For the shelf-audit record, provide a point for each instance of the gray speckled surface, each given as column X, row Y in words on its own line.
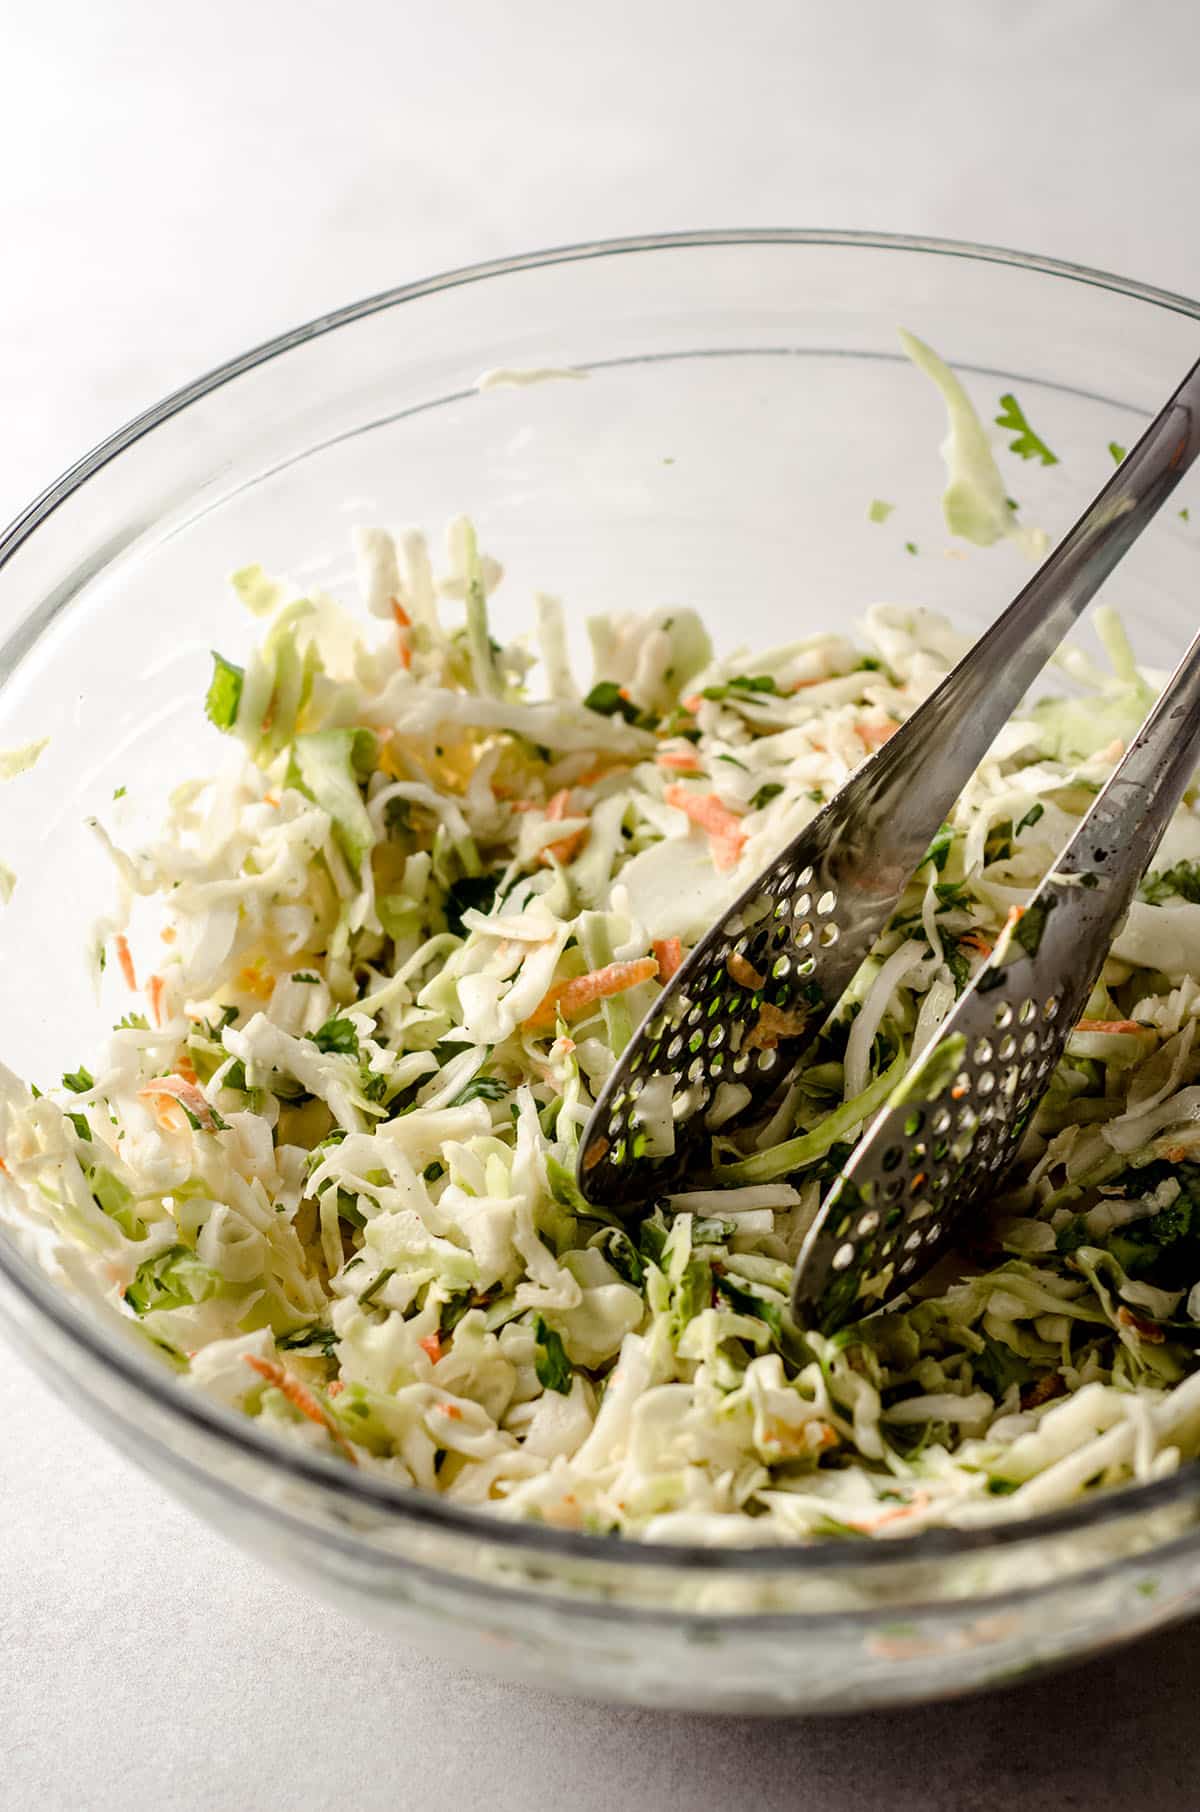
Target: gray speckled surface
column 147, row 152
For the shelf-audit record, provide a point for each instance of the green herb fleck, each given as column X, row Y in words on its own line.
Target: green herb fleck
column 1027, row 444
column 550, row 1360
column 879, row 510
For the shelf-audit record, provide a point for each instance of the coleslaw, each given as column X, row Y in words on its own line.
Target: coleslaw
column 324, row 1170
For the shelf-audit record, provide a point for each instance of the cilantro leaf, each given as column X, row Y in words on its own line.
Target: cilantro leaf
column 939, row 849
column 879, row 510
column 742, row 683
column 79, row 1081
column 313, row 1338
column 481, row 1088
column 224, row 692
column 765, row 794
column 609, row 700
column 338, row 1036
column 1181, row 881
column 1031, row 817
column 1031, row 926
column 550, row 1360
column 1117, row 450
column 747, row 1303
column 1027, row 444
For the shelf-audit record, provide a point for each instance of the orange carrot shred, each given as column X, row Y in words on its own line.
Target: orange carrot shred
column 725, row 834
column 403, row 625
column 743, row 972
column 975, row 940
column 302, row 1398
column 684, row 759
column 569, row 998
column 1110, row 1025
column 126, row 962
column 432, row 1344
column 668, row 954
column 154, row 988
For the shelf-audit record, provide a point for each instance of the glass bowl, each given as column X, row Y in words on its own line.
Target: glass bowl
column 745, row 403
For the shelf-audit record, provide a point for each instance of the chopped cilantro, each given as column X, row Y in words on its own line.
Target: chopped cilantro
column 1031, row 817
column 939, row 849
column 550, row 1360
column 481, row 1088
column 79, row 1081
column 910, row 547
column 879, row 510
column 741, row 683
column 1027, row 444
column 693, row 1292
column 765, row 794
column 609, row 700
column 1031, row 926
column 224, row 692
column 338, row 1036
column 747, row 1303
column 1117, row 450
column 1181, row 881
column 313, row 1338
column 82, row 1129
column 132, row 1022
column 119, row 792
column 303, row 976
column 1185, row 515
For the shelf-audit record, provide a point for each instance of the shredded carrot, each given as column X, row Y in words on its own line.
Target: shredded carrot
column 3, row 1166
column 772, row 1025
column 591, row 1158
column 893, row 1514
column 975, row 940
column 1176, row 1154
column 154, row 988
column 1110, row 1025
column 742, row 972
column 692, row 704
column 305, row 1402
column 565, row 847
column 335, row 1389
column 726, row 837
column 168, row 934
column 177, row 1088
column 403, row 625
column 569, row 998
column 432, row 1344
column 1148, row 1331
column 185, row 1067
column 1015, row 915
column 452, row 1410
column 270, row 799
column 875, row 735
column 668, row 954
column 126, row 962
column 683, row 759
column 601, row 771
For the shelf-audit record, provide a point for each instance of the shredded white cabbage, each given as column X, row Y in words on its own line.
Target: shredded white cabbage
column 326, row 1166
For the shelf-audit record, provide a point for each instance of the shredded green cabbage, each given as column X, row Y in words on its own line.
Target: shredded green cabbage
column 327, row 1171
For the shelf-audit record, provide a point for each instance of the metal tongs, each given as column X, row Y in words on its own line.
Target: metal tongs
column 794, row 938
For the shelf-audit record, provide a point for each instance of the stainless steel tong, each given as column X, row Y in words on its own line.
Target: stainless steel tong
column 789, row 945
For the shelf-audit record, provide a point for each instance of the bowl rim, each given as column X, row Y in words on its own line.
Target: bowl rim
column 213, row 1420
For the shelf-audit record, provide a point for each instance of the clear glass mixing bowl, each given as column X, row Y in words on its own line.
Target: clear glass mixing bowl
column 745, row 403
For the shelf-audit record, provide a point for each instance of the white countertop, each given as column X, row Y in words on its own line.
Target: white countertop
column 179, row 185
